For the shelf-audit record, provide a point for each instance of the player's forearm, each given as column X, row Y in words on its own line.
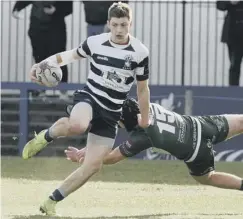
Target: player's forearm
column 144, row 102
column 76, row 155
column 113, row 157
column 108, row 160
column 64, row 58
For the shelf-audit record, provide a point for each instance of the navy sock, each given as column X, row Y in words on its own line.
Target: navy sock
column 48, row 137
column 56, row 196
column 241, row 188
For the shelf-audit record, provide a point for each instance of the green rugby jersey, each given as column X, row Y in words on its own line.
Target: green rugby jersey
column 179, row 135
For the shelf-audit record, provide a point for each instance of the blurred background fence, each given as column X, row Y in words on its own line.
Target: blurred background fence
column 183, row 38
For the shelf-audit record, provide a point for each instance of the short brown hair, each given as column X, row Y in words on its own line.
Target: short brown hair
column 119, row 10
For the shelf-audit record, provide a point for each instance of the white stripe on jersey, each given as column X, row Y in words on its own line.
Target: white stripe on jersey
column 199, row 135
column 103, row 94
column 115, row 64
column 102, row 105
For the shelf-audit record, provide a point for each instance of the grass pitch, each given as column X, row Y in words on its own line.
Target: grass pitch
column 132, row 189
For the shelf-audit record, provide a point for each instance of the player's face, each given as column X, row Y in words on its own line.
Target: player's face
column 120, row 28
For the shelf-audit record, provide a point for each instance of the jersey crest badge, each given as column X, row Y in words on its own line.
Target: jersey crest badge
column 128, row 62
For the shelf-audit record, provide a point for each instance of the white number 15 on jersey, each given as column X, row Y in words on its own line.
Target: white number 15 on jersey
column 164, row 118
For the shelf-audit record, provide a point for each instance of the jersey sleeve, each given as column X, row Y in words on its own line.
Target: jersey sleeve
column 142, row 70
column 84, row 49
column 137, row 142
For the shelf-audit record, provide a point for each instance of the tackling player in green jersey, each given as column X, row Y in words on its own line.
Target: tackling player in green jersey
column 188, row 138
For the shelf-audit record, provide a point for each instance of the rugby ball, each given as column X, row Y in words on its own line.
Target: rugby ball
column 49, row 73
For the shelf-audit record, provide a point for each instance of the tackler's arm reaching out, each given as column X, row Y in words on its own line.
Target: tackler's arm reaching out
column 75, row 155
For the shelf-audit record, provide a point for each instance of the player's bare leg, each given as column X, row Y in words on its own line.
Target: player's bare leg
column 235, row 122
column 221, row 179
column 97, row 148
column 76, row 124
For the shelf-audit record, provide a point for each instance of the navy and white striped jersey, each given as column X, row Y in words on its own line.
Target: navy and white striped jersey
column 113, row 69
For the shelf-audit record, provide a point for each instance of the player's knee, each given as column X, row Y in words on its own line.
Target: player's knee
column 76, row 128
column 205, row 179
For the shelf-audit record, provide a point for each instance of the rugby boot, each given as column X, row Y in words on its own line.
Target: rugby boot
column 35, row 145
column 48, row 207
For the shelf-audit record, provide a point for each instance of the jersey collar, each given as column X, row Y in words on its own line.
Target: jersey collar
column 118, row 45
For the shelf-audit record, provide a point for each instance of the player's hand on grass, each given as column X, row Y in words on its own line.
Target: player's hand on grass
column 33, row 75
column 75, row 155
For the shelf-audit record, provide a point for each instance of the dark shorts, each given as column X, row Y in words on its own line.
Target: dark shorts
column 214, row 130
column 104, row 122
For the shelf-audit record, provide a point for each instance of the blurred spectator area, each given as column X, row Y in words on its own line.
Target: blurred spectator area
column 183, row 38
